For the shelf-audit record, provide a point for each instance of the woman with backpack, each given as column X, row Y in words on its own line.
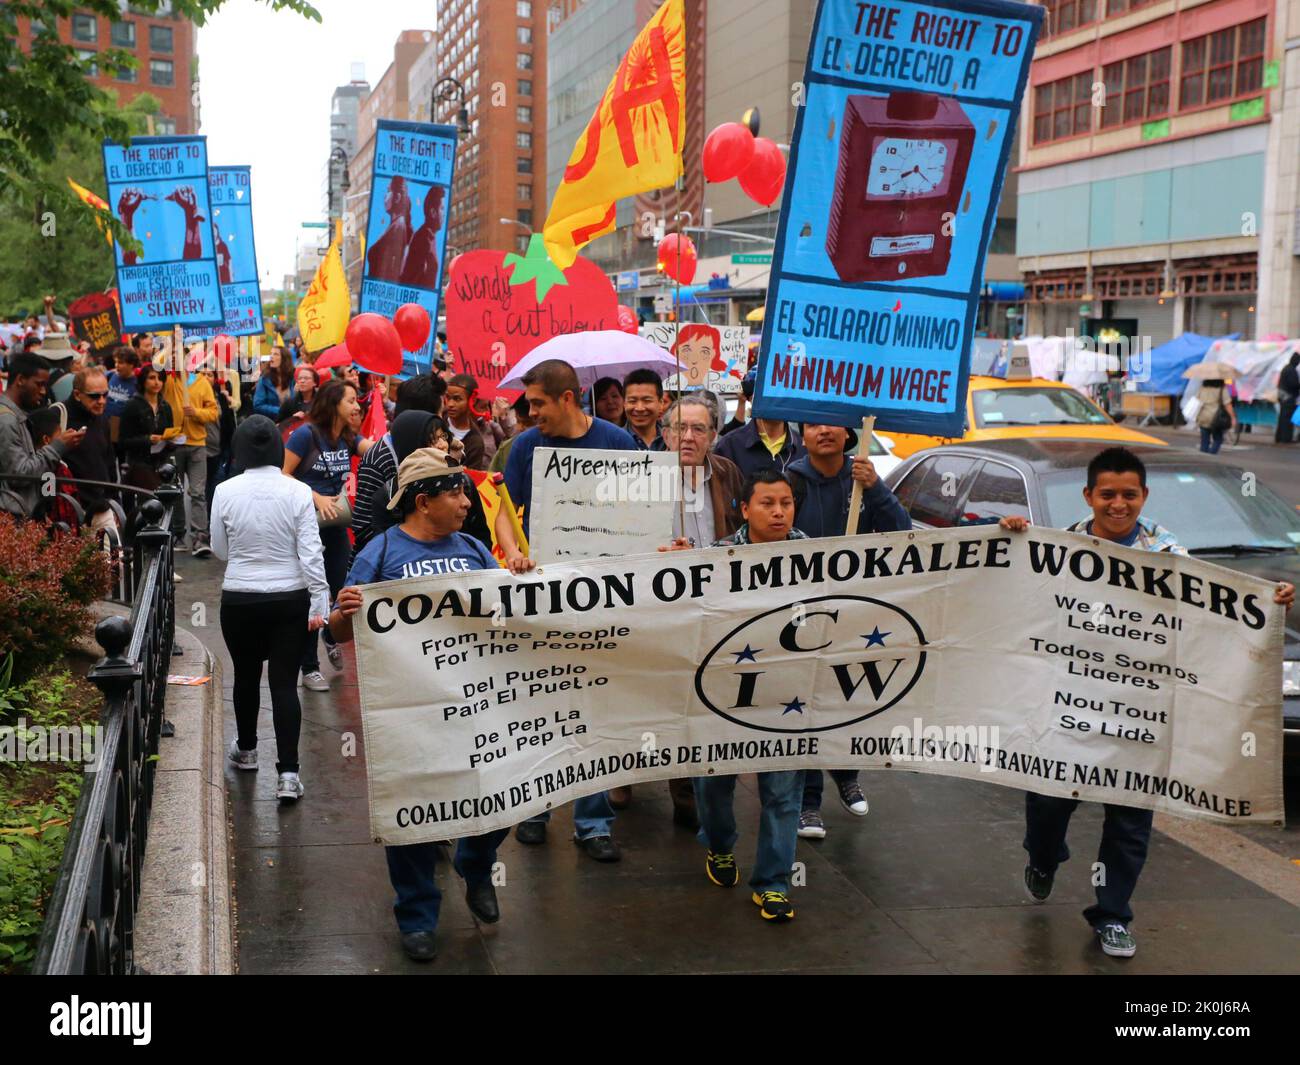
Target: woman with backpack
column 1215, row 416
column 319, row 453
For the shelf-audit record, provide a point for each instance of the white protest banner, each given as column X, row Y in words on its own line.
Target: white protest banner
column 1043, row 661
column 712, row 356
column 600, row 504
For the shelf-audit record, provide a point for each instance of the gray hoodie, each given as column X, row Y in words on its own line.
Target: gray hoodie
column 19, row 457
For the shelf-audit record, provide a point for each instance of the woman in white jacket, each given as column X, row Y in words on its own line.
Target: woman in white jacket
column 274, row 596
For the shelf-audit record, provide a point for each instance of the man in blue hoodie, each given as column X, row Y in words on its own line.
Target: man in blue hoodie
column 823, row 483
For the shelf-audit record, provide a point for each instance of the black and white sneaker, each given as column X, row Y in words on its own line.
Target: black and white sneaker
column 201, row 549
column 811, row 825
column 1038, row 886
column 852, row 799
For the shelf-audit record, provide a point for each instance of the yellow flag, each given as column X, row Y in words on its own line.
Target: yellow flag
column 323, row 313
column 90, row 199
column 633, row 142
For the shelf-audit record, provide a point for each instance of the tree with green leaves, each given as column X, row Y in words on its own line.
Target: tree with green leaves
column 49, row 111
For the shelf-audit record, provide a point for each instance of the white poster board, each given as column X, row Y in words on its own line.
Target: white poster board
column 601, row 504
column 701, row 352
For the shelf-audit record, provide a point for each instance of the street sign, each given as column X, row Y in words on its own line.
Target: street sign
column 663, row 303
column 315, row 225
column 756, row 258
column 628, row 280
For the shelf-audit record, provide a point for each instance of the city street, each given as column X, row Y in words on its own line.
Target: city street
column 928, row 882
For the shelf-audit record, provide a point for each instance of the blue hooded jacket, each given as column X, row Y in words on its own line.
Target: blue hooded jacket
column 822, row 503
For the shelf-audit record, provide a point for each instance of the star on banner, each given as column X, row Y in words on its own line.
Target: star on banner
column 793, row 707
column 747, row 655
column 875, row 638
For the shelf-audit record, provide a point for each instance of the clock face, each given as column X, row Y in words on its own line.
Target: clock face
column 902, row 167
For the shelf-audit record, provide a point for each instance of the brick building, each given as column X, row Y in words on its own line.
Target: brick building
column 164, row 47
column 496, row 49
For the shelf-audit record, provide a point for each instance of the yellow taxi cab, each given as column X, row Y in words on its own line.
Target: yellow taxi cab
column 998, row 409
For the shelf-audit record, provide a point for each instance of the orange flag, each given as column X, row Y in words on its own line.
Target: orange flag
column 633, row 142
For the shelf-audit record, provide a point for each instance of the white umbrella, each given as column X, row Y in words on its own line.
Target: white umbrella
column 596, row 354
column 1210, row 371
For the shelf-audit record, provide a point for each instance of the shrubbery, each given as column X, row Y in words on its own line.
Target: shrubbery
column 46, row 588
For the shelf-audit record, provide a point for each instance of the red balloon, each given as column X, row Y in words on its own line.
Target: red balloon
column 413, row 326
column 627, row 320
column 677, row 258
column 375, row 346
column 727, row 152
column 764, row 178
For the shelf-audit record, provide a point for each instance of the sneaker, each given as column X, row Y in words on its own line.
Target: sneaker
column 1116, row 940
column 288, row 788
column 531, row 832
column 201, row 549
column 177, row 578
column 242, row 759
column 852, row 799
column 811, row 825
column 315, row 681
column 335, row 654
column 1038, row 885
column 773, row 906
column 721, row 869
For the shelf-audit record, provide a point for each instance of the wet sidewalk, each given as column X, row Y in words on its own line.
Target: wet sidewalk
column 928, row 882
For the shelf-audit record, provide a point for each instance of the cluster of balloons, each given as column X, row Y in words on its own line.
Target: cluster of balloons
column 735, row 150
column 376, row 344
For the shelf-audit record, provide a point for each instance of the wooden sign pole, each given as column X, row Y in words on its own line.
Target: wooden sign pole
column 855, row 500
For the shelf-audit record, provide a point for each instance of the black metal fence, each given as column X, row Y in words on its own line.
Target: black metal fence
column 91, row 917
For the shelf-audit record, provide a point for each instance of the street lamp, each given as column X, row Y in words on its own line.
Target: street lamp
column 515, row 222
column 449, row 90
column 338, row 155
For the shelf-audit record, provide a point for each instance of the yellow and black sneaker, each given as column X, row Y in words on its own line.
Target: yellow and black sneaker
column 721, row 869
column 774, row 906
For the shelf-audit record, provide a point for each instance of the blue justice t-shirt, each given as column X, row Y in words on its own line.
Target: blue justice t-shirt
column 602, row 435
column 331, row 462
column 120, row 390
column 408, row 557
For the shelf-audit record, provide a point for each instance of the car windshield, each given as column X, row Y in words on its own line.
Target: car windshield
column 998, row 407
column 1204, row 507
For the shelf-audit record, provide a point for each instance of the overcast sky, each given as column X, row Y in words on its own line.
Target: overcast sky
column 265, row 81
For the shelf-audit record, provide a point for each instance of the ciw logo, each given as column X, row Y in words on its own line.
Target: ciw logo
column 812, row 666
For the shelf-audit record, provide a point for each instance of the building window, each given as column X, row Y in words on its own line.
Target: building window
column 523, row 9
column 1119, row 7
column 1063, row 108
column 524, row 114
column 523, row 164
column 523, row 61
column 521, row 244
column 523, row 139
column 525, row 215
column 524, row 192
column 160, row 39
column 161, row 72
column 164, row 127
column 123, row 35
column 1136, row 88
column 89, row 56
column 1066, row 15
column 1222, row 65
column 525, row 87
column 85, row 28
column 524, row 34
column 125, row 74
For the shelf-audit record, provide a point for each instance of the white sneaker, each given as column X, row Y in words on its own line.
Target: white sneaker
column 335, row 654
column 315, row 681
column 288, row 788
column 242, row 759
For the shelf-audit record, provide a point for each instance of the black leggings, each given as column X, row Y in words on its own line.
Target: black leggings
column 274, row 630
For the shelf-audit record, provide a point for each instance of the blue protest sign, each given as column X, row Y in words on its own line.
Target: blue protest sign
column 406, row 234
column 232, row 231
column 895, row 172
column 158, row 188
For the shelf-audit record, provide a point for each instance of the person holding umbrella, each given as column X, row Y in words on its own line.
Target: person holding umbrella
column 1215, row 414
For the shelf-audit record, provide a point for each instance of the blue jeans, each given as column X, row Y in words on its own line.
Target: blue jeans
column 778, row 823
column 411, row 871
column 813, row 785
column 1211, row 441
column 1125, row 837
column 592, row 816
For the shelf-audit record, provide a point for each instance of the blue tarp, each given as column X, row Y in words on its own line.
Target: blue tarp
column 1168, row 362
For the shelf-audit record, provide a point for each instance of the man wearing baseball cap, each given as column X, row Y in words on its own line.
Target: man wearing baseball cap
column 431, row 499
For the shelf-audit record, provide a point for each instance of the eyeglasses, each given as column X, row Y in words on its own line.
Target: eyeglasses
column 95, row 395
column 686, row 429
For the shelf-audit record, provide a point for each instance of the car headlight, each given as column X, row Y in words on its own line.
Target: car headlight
column 1291, row 678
